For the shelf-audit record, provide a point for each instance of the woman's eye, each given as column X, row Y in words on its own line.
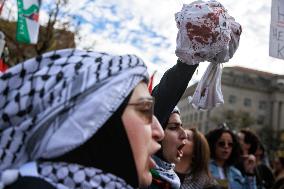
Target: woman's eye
column 173, row 128
column 145, row 108
column 146, row 112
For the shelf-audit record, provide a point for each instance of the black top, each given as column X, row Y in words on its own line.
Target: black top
column 264, row 177
column 170, row 89
column 30, row 183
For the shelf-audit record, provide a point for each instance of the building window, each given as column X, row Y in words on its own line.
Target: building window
column 260, row 119
column 232, row 99
column 262, row 105
column 191, row 117
column 200, row 116
column 247, row 102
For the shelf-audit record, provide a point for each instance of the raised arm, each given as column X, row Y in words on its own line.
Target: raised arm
column 170, row 89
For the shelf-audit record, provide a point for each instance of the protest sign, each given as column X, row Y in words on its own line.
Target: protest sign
column 276, row 43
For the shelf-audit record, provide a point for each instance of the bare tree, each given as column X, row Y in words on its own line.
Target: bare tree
column 54, row 35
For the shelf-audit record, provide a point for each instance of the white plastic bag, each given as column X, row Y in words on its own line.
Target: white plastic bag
column 208, row 93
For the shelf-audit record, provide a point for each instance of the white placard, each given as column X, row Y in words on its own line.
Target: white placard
column 276, row 43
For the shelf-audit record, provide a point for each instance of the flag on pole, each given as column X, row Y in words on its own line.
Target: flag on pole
column 2, row 2
column 150, row 85
column 28, row 26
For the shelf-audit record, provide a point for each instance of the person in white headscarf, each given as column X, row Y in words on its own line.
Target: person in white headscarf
column 77, row 119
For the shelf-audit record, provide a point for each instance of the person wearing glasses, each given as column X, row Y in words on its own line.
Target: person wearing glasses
column 225, row 151
column 193, row 168
column 77, row 119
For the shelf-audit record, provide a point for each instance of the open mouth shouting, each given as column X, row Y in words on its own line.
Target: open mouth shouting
column 179, row 151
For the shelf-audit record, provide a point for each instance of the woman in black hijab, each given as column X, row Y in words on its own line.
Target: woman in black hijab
column 77, row 119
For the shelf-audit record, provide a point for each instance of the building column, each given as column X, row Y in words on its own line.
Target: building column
column 275, row 115
column 281, row 116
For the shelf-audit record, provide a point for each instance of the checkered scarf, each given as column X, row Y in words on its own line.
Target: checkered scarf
column 43, row 101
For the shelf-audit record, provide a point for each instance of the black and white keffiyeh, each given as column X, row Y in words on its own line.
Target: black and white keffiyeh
column 51, row 104
column 166, row 172
column 74, row 176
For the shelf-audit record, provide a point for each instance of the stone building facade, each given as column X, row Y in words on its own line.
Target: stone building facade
column 258, row 94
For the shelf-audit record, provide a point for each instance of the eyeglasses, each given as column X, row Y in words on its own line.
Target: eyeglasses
column 222, row 144
column 146, row 108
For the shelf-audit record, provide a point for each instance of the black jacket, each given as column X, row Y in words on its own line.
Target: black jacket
column 30, row 183
column 170, row 89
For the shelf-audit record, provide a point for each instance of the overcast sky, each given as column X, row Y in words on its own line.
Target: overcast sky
column 147, row 28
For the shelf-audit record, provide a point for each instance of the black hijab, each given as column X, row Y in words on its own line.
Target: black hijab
column 109, row 150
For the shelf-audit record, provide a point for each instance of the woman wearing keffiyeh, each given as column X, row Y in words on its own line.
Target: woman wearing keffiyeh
column 77, row 119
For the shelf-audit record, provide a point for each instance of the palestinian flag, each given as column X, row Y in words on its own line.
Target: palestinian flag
column 150, row 84
column 28, row 26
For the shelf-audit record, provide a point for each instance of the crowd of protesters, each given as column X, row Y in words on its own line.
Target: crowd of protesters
column 84, row 119
column 126, row 139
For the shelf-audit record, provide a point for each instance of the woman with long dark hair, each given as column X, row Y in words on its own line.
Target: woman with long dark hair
column 225, row 151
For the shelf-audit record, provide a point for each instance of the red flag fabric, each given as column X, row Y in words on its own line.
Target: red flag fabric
column 3, row 66
column 150, row 85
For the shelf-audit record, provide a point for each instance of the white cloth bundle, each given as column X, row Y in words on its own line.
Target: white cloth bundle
column 208, row 93
column 207, row 33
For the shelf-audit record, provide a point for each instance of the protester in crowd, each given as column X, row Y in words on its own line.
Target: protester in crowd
column 261, row 155
column 193, row 169
column 77, row 119
column 263, row 173
column 163, row 173
column 278, row 167
column 225, row 151
column 249, row 142
column 279, row 172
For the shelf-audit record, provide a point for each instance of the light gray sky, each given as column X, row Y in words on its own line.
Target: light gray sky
column 147, row 28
